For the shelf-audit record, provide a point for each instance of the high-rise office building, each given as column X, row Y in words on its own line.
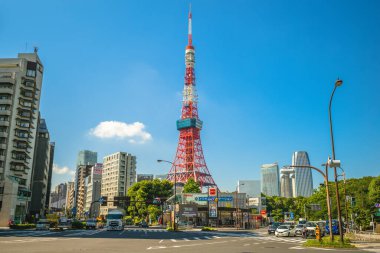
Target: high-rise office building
column 85, row 160
column 40, row 173
column 270, row 179
column 287, row 179
column 252, row 188
column 87, row 157
column 119, row 174
column 50, row 173
column 93, row 193
column 20, row 91
column 304, row 176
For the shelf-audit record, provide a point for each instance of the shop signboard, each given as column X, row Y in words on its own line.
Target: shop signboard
column 188, row 210
column 213, row 210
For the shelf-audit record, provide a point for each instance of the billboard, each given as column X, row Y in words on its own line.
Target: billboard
column 188, row 210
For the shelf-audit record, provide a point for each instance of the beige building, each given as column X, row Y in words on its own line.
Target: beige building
column 20, row 90
column 83, row 171
column 70, row 196
column 119, row 174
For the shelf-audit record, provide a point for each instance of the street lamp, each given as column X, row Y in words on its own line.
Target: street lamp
column 175, row 190
column 337, row 84
column 325, row 177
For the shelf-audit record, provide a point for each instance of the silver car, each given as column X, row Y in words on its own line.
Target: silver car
column 285, row 230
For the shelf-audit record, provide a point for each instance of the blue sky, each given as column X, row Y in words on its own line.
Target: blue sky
column 265, row 71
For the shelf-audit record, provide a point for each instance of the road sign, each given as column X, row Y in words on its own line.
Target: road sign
column 377, row 205
column 212, row 191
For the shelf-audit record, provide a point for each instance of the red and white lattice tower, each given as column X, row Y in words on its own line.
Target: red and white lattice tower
column 189, row 161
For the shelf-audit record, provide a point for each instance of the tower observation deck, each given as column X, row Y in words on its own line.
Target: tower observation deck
column 189, row 161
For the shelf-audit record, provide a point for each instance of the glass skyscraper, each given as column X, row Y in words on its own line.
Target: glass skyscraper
column 87, row 157
column 304, row 177
column 270, row 184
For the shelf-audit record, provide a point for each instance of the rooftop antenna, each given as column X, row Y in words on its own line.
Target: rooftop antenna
column 35, row 49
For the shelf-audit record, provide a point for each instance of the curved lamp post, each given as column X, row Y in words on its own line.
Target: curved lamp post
column 337, row 84
column 325, row 177
column 175, row 190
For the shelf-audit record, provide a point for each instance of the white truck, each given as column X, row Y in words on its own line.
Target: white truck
column 115, row 220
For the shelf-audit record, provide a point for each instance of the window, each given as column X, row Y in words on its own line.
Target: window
column 31, row 69
column 28, row 94
column 22, row 123
column 29, row 84
column 21, row 144
column 4, row 118
column 3, row 140
column 3, row 129
column 4, row 96
column 4, row 107
column 24, row 113
column 22, row 134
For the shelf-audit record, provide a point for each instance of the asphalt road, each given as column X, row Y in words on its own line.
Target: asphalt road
column 148, row 240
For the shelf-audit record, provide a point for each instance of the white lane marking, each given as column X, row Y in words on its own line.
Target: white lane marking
column 196, row 238
column 186, row 245
column 247, row 244
column 161, row 241
column 216, row 237
column 173, row 240
column 207, row 237
column 185, row 239
column 121, row 232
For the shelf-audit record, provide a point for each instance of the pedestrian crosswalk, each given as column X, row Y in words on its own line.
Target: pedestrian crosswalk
column 146, row 230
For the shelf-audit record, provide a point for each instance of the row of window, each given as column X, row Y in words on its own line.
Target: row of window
column 5, row 96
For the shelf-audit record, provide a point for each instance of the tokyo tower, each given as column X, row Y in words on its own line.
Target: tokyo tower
column 189, row 161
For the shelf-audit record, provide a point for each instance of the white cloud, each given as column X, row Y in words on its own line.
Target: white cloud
column 134, row 132
column 62, row 170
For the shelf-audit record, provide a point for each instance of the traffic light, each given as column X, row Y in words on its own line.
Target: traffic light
column 103, row 200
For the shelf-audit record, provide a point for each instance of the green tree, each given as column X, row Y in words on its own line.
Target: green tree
column 374, row 191
column 142, row 195
column 191, row 186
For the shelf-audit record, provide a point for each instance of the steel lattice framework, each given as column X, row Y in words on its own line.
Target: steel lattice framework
column 189, row 161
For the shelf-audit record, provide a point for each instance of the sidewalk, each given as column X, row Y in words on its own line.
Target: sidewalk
column 372, row 246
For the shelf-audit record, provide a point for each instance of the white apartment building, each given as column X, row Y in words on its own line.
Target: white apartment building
column 94, row 185
column 20, row 91
column 119, row 174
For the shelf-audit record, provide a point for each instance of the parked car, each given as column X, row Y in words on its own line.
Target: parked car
column 272, row 228
column 43, row 224
column 309, row 229
column 91, row 224
column 299, row 229
column 285, row 230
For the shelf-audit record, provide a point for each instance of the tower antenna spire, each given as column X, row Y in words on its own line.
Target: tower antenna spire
column 190, row 35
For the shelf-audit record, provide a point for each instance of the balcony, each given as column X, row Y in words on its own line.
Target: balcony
column 5, row 101
column 3, row 146
column 3, row 134
column 6, row 90
column 4, row 123
column 5, row 112
column 7, row 77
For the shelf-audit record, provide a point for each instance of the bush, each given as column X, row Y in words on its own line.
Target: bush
column 208, row 229
column 77, row 225
column 23, row 226
column 325, row 243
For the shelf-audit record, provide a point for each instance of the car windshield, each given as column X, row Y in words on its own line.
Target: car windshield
column 311, row 224
column 300, row 226
column 283, row 227
column 114, row 216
